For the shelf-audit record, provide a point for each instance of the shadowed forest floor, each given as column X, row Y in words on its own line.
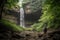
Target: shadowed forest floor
column 28, row 35
column 7, row 34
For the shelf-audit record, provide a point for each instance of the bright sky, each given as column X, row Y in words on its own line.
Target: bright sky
column 20, row 3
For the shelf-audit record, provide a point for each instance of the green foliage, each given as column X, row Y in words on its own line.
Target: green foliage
column 11, row 3
column 37, row 27
column 35, row 5
column 11, row 25
column 28, row 29
column 50, row 16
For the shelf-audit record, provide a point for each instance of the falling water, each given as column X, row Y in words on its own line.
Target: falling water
column 22, row 23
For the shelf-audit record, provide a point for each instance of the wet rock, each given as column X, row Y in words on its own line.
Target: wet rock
column 29, row 35
column 16, row 35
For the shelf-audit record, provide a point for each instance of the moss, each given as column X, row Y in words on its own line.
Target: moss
column 11, row 25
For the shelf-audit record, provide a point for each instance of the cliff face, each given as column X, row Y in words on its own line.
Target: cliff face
column 11, row 15
column 32, row 6
column 32, row 10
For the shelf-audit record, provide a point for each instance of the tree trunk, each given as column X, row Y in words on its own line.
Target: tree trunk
column 1, row 10
column 2, row 3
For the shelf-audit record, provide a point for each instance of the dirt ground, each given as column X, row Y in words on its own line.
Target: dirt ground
column 29, row 35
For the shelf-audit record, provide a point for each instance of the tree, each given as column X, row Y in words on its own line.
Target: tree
column 2, row 2
column 6, row 4
column 50, row 16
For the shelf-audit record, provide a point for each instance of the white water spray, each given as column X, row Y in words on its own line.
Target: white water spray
column 22, row 23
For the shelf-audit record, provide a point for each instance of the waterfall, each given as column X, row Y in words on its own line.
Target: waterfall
column 22, row 23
